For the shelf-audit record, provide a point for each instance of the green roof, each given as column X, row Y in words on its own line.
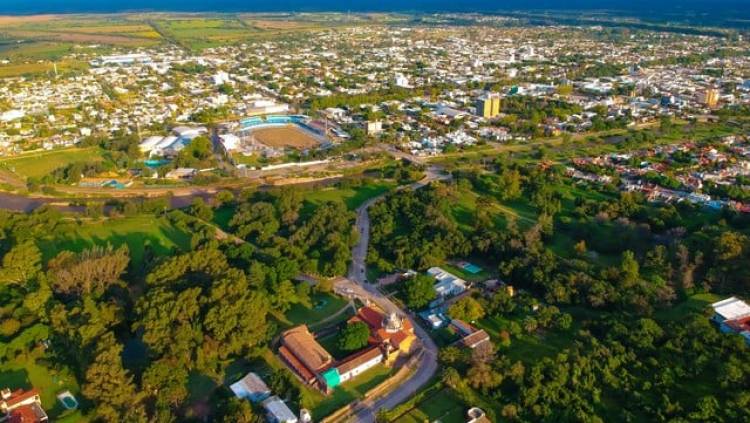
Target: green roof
column 332, row 378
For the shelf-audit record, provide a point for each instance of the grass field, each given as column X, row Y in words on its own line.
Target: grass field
column 324, row 305
column 136, row 232
column 353, row 197
column 38, row 164
column 288, row 136
column 443, row 407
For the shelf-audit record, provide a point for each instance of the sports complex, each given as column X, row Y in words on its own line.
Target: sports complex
column 282, row 131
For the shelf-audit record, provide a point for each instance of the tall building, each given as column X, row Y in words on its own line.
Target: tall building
column 488, row 106
column 710, row 97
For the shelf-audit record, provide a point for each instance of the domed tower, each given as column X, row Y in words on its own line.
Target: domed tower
column 393, row 323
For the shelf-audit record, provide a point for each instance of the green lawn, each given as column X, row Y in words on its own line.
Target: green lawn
column 353, row 197
column 324, row 305
column 698, row 303
column 350, row 391
column 25, row 372
column 443, row 407
column 42, row 163
column 134, row 231
column 223, row 215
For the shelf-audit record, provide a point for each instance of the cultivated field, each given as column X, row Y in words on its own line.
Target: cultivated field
column 287, row 136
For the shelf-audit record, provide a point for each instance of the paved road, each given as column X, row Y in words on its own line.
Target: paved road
column 357, row 285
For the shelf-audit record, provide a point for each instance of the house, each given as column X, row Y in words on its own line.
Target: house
column 251, row 387
column 21, row 406
column 181, row 173
column 277, row 411
column 352, row 366
column 475, row 339
column 733, row 316
column 447, row 285
column 471, row 337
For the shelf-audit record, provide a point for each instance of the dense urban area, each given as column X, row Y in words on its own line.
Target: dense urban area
column 335, row 217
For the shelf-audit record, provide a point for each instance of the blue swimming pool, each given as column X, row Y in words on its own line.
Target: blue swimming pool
column 472, row 268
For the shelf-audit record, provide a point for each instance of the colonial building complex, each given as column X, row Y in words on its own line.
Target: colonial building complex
column 390, row 337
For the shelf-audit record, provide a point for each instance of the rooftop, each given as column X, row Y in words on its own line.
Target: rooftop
column 732, row 308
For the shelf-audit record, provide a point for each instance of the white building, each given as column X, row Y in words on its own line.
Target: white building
column 447, row 285
column 277, row 411
column 359, row 364
column 251, row 387
column 230, row 142
column 401, row 81
column 221, row 78
column 12, row 115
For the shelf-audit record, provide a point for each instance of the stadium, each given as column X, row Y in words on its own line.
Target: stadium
column 281, row 132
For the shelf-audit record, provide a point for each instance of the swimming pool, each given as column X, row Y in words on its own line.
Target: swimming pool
column 472, row 268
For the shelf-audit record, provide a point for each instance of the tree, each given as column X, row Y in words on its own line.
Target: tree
column 483, row 376
column 21, row 263
column 201, row 210
column 420, row 291
column 91, row 271
column 237, row 410
column 167, row 382
column 110, row 386
column 629, row 269
column 467, row 309
column 354, row 336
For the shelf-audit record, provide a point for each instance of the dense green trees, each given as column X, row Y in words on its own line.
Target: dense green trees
column 419, row 291
column 414, row 230
column 354, row 336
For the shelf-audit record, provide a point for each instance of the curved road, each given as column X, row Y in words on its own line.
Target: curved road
column 357, row 285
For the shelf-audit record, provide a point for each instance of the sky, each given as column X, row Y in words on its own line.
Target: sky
column 637, row 6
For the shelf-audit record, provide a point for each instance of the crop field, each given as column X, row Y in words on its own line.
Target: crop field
column 287, row 137
column 202, row 33
column 116, row 31
column 38, row 164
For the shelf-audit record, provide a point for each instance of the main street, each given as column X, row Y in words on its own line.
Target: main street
column 357, row 285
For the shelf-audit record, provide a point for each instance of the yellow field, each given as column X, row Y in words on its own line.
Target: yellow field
column 36, row 68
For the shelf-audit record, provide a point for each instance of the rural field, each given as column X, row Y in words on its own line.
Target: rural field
column 287, row 137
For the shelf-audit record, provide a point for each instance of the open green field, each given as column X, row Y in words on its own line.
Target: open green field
column 38, row 164
column 135, row 232
column 353, row 197
column 324, row 306
column 24, row 372
column 41, row 68
column 442, row 407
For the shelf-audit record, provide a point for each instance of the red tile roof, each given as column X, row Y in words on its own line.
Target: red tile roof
column 297, row 365
column 18, row 396
column 372, row 317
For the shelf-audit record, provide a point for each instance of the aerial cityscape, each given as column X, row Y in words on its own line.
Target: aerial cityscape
column 326, row 213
